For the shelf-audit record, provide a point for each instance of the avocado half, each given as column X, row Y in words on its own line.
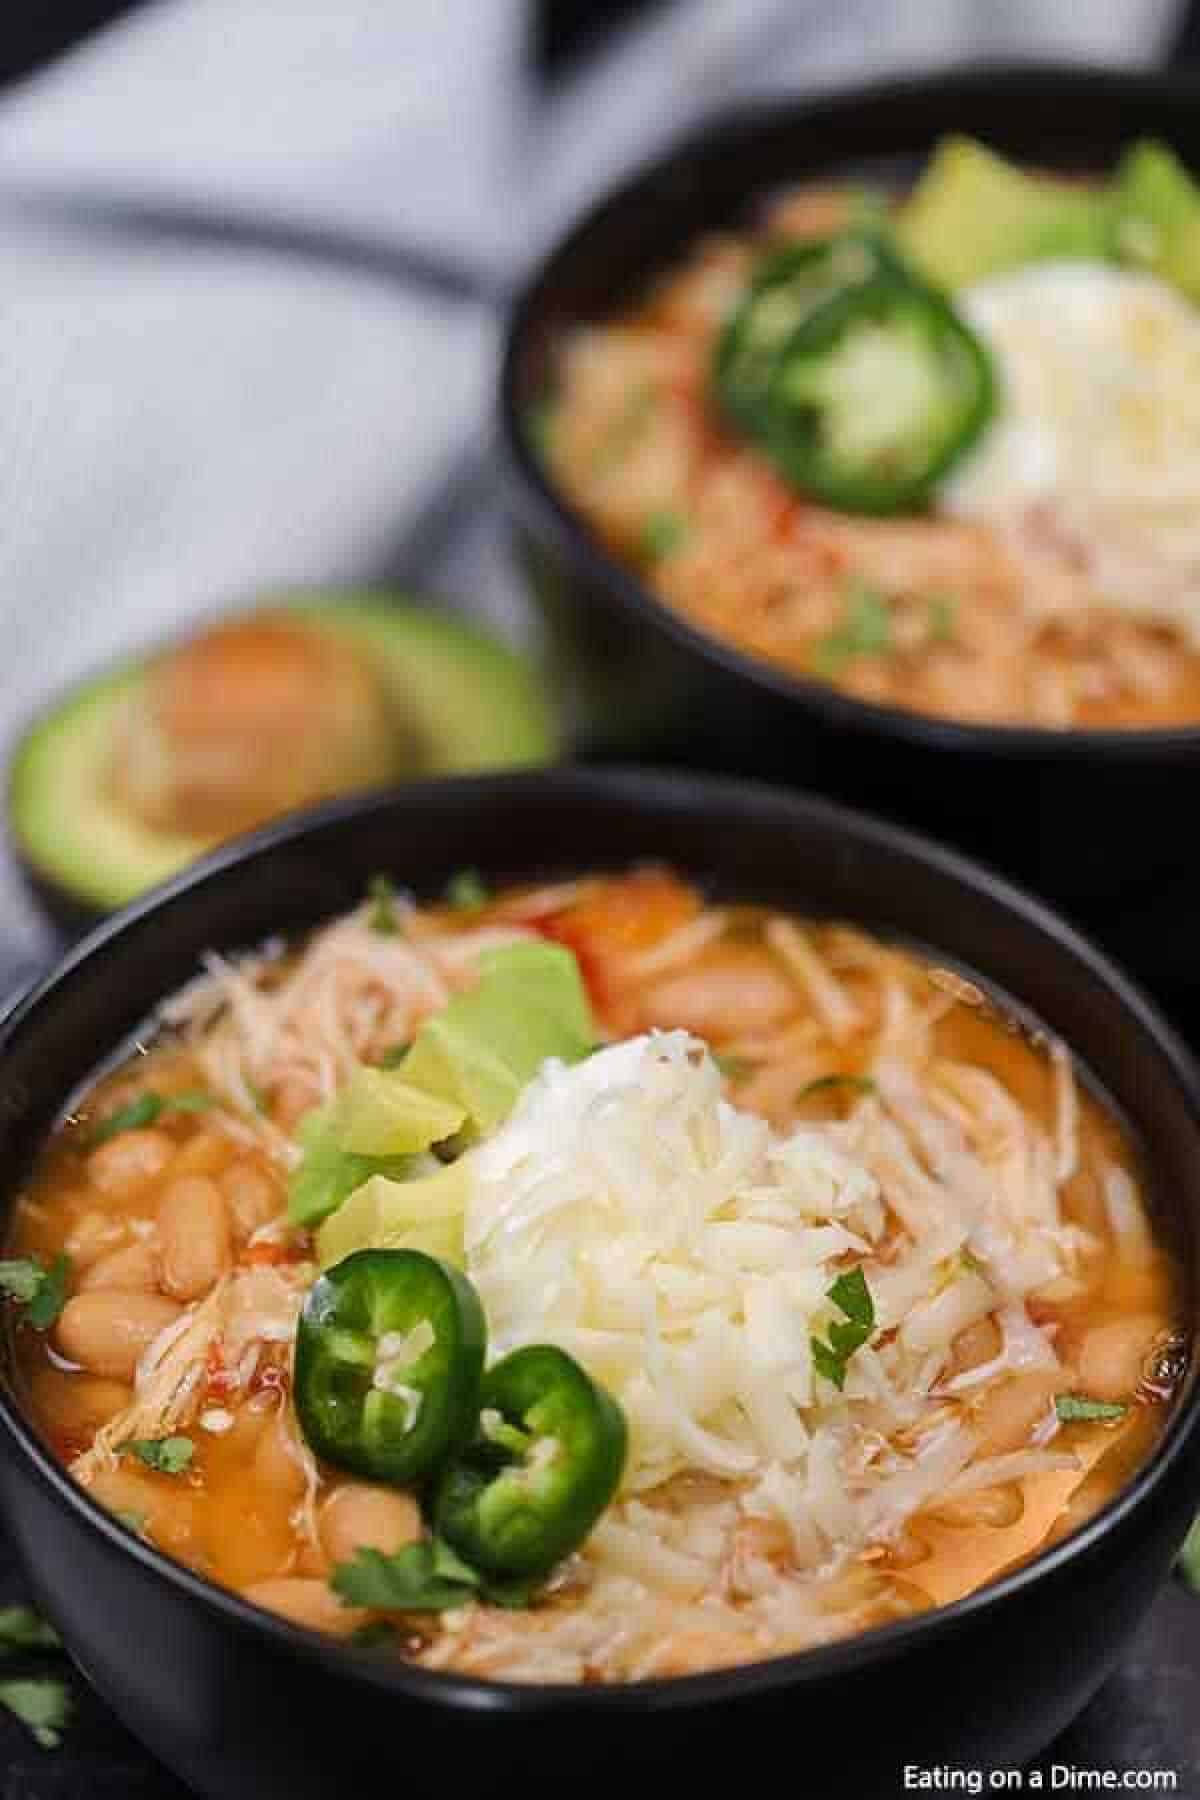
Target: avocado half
column 472, row 702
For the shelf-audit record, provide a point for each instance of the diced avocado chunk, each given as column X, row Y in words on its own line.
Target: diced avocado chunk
column 425, row 1213
column 1156, row 216
column 327, row 1172
column 480, row 1051
column 467, row 1065
column 381, row 1114
column 973, row 214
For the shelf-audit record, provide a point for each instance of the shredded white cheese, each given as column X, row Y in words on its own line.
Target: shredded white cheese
column 684, row 1251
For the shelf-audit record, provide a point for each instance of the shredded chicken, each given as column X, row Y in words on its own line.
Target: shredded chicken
column 246, row 1310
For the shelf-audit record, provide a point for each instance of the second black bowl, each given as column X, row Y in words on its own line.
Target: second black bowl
column 246, row 1706
column 1085, row 816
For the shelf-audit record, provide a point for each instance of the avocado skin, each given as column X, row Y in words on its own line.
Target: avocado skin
column 477, row 705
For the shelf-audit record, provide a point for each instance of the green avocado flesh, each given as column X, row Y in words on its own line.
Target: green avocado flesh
column 1157, row 222
column 973, row 214
column 472, row 703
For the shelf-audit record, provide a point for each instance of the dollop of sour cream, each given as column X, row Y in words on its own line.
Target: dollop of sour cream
column 1097, row 428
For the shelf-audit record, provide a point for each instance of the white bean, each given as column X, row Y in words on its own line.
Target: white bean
column 107, row 1330
column 194, row 1238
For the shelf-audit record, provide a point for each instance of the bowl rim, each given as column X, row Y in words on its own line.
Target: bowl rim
column 641, row 789
column 543, row 499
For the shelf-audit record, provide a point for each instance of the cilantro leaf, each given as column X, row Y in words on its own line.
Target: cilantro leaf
column 394, row 1055
column 851, row 1295
column 467, row 891
column 23, row 1629
column 381, row 891
column 424, row 1577
column 663, row 533
column 21, row 1278
column 1070, row 1407
column 1189, row 1557
column 40, row 1290
column 51, row 1296
column 733, row 1068
column 828, row 1363
column 147, row 1109
column 43, row 1705
column 166, row 1455
column 865, row 630
column 138, row 1113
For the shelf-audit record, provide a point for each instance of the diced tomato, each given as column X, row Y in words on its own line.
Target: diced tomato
column 629, row 913
column 622, row 916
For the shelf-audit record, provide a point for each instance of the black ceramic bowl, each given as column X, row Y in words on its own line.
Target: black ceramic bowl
column 1085, row 816
column 242, row 1704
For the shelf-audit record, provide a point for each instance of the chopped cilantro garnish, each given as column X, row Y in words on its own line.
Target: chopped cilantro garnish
column 865, row 630
column 23, row 1629
column 663, row 533
column 167, row 1455
column 851, row 1295
column 138, row 1113
column 40, row 1290
column 467, row 891
column 147, row 1109
column 394, row 1055
column 424, row 1577
column 862, row 1084
column 381, row 892
column 733, row 1068
column 1071, row 1407
column 22, row 1278
column 43, row 1705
